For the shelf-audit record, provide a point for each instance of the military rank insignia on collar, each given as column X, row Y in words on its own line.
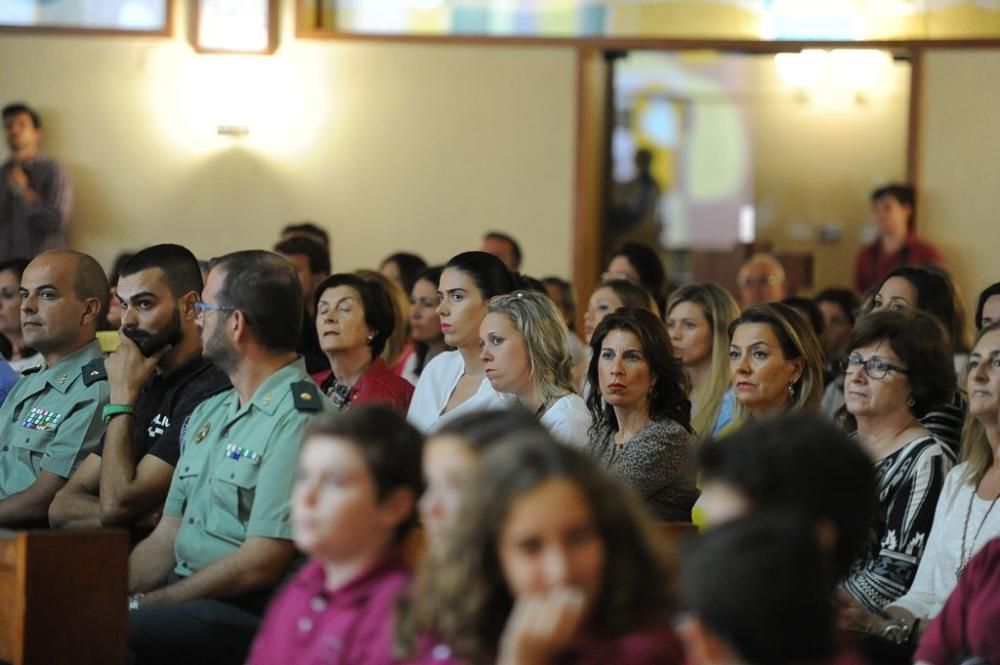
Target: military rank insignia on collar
column 307, row 396
column 94, row 371
column 41, row 419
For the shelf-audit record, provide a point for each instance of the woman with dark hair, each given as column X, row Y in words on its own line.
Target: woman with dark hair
column 354, row 318
column 352, row 505
column 776, row 362
column 425, row 324
column 455, row 381
column 611, row 295
column 930, row 290
column 965, row 520
column 897, row 367
column 550, row 561
column 641, row 416
column 698, row 318
column 640, row 264
column 20, row 357
column 988, row 307
column 403, row 269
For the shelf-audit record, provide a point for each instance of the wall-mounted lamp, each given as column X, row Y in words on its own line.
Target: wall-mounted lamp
column 235, row 26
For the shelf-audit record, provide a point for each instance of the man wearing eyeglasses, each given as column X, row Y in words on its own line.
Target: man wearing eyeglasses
column 201, row 581
column 157, row 377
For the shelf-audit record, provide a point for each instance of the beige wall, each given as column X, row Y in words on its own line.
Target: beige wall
column 389, row 147
column 960, row 164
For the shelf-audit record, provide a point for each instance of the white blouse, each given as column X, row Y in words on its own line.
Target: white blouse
column 568, row 420
column 937, row 574
column 437, row 383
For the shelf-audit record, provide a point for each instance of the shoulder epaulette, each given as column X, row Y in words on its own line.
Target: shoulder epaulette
column 33, row 370
column 307, row 396
column 94, row 371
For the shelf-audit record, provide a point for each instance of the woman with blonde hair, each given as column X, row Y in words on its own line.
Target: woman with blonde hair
column 525, row 351
column 698, row 318
column 776, row 362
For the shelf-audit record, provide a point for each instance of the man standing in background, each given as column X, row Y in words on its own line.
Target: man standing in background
column 35, row 191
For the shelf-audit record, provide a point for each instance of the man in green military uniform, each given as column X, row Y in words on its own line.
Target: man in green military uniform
column 201, row 581
column 51, row 419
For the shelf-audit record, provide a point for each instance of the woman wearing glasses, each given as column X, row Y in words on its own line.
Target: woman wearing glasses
column 897, row 367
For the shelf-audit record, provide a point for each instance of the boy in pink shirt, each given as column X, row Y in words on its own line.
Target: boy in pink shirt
column 352, row 505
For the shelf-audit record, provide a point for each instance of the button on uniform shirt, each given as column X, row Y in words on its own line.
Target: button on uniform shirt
column 27, row 229
column 51, row 420
column 166, row 401
column 310, row 624
column 237, row 466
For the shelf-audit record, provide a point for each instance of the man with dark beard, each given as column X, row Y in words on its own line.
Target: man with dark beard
column 201, row 581
column 157, row 377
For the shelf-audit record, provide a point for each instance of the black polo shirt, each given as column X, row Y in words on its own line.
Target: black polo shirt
column 166, row 401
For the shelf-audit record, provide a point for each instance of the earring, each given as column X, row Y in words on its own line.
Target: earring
column 911, row 402
column 791, row 391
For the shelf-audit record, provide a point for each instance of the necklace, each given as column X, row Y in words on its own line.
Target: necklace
column 963, row 558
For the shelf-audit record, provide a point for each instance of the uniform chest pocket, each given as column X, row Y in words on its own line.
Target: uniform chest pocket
column 30, row 446
column 234, row 484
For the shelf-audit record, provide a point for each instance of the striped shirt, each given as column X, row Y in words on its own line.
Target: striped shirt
column 28, row 228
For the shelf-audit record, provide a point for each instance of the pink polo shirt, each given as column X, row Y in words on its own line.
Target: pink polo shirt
column 307, row 623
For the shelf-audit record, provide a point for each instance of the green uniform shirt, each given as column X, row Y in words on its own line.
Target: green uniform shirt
column 237, row 466
column 51, row 420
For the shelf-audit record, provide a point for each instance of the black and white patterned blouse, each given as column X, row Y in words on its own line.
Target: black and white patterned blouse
column 909, row 483
column 656, row 462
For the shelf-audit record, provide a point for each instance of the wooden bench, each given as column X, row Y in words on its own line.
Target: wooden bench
column 63, row 597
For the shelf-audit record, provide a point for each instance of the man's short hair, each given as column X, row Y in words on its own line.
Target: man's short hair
column 180, row 267
column 846, row 299
column 904, row 194
column 515, row 248
column 319, row 257
column 89, row 280
column 265, row 288
column 308, row 230
column 799, row 462
column 20, row 107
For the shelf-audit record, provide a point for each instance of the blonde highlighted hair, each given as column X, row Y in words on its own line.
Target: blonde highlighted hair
column 720, row 309
column 797, row 340
column 540, row 324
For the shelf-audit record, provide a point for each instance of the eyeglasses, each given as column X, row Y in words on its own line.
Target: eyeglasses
column 875, row 367
column 766, row 280
column 202, row 307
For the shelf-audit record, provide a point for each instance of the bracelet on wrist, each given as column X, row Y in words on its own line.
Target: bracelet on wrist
column 112, row 410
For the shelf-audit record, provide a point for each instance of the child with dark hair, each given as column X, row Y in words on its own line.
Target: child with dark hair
column 757, row 590
column 352, row 507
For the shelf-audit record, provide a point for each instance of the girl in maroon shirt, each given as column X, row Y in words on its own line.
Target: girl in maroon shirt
column 550, row 561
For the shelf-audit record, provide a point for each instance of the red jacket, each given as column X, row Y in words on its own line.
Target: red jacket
column 377, row 384
column 873, row 264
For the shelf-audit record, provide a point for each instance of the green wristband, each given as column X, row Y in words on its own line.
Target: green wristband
column 112, row 410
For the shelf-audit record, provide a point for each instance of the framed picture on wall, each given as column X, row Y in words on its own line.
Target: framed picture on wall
column 148, row 17
column 235, row 26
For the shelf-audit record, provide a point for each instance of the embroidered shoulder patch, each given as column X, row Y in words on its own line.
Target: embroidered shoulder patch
column 307, row 396
column 94, row 371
